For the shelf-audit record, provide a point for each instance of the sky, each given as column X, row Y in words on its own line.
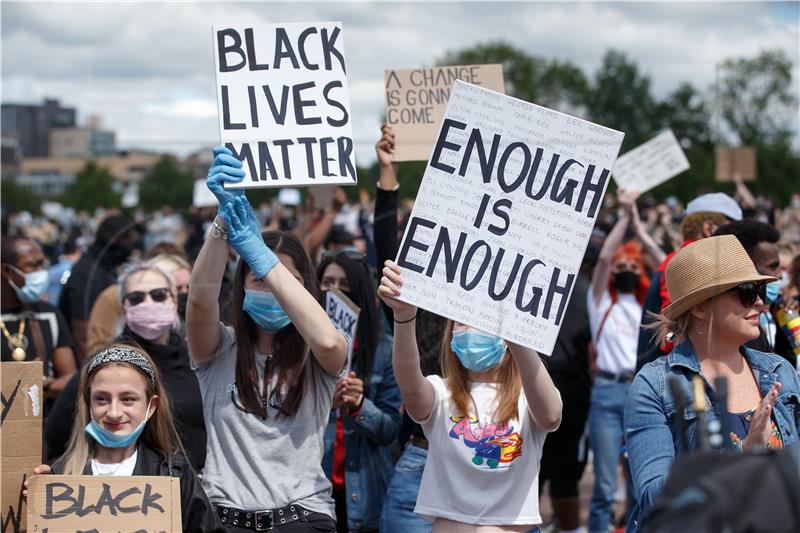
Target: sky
column 147, row 69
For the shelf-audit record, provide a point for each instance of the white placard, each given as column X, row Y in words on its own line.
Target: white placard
column 283, row 103
column 344, row 315
column 130, row 197
column 504, row 213
column 202, row 196
column 650, row 164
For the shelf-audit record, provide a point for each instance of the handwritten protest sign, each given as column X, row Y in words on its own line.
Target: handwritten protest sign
column 344, row 315
column 732, row 161
column 504, row 213
column 416, row 100
column 650, row 164
column 104, row 503
column 20, row 437
column 283, row 102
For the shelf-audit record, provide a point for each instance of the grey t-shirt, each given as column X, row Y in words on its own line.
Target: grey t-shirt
column 255, row 464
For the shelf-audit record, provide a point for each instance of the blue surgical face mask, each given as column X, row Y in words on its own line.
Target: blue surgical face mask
column 773, row 290
column 265, row 310
column 477, row 351
column 108, row 439
column 34, row 287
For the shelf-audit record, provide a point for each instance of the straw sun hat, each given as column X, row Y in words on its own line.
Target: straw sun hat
column 707, row 268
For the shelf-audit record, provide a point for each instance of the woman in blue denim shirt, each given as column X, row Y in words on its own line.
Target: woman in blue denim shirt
column 717, row 295
column 366, row 404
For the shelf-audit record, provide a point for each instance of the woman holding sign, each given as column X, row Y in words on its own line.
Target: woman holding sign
column 485, row 421
column 268, row 381
column 124, row 427
column 366, row 403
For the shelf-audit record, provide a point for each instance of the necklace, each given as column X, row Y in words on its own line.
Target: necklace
column 16, row 341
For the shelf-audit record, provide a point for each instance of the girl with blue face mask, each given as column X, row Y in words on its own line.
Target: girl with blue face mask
column 485, row 422
column 268, row 378
column 124, row 427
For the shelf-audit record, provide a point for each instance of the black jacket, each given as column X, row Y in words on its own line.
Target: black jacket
column 197, row 513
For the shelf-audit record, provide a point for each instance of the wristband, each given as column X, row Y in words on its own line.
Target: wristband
column 406, row 321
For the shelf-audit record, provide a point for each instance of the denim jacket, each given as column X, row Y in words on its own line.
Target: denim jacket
column 650, row 415
column 368, row 461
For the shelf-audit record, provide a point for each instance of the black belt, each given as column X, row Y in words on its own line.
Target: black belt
column 621, row 378
column 419, row 442
column 261, row 520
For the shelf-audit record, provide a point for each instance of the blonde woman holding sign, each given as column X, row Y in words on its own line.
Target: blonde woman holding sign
column 485, row 421
column 124, row 427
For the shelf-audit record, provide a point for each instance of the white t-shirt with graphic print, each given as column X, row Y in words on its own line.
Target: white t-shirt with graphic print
column 478, row 472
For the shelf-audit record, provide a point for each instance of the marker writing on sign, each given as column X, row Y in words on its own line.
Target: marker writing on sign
column 553, row 186
column 59, row 501
column 343, row 319
column 13, row 517
column 7, row 403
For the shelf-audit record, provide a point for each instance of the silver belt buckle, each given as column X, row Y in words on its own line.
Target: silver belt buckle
column 268, row 515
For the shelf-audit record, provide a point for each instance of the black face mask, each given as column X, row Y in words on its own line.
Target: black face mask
column 626, row 281
column 183, row 299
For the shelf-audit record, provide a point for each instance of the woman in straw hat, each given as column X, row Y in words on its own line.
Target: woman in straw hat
column 717, row 295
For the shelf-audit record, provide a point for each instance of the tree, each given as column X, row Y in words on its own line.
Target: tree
column 18, row 198
column 757, row 102
column 620, row 98
column 686, row 113
column 93, row 188
column 166, row 184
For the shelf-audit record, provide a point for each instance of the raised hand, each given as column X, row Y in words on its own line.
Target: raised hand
column 225, row 169
column 389, row 290
column 761, row 425
column 249, row 244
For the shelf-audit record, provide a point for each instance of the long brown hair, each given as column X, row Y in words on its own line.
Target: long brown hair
column 159, row 432
column 289, row 349
column 508, row 379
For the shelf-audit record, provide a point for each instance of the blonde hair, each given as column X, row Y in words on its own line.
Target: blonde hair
column 666, row 330
column 509, row 380
column 159, row 432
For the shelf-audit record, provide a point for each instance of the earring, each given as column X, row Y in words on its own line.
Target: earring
column 701, row 329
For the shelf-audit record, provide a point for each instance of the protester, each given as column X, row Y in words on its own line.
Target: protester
column 33, row 330
column 268, row 381
column 717, row 295
column 124, row 427
column 704, row 215
column 149, row 321
column 614, row 302
column 366, row 403
column 116, row 238
column 565, row 450
column 58, row 274
column 495, row 396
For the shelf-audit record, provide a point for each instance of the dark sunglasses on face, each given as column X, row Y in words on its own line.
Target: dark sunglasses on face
column 157, row 295
column 748, row 293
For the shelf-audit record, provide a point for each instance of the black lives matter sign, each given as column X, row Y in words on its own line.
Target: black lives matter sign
column 283, row 101
column 504, row 213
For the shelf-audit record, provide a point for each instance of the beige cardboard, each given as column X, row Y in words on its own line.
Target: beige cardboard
column 416, row 100
column 21, row 437
column 53, row 502
column 742, row 161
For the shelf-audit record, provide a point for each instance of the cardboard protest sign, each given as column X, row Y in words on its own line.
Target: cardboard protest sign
column 202, row 196
column 104, row 503
column 344, row 315
column 20, row 437
column 416, row 100
column 504, row 213
column 283, row 102
column 650, row 164
column 732, row 161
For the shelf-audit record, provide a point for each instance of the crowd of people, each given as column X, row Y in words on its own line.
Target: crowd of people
column 197, row 348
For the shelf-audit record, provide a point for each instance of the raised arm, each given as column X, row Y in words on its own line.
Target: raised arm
column 544, row 401
column 202, row 310
column 602, row 270
column 417, row 392
column 327, row 345
column 386, row 193
column 650, row 245
column 317, row 235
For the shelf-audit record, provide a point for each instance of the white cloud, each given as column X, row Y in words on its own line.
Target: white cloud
column 147, row 68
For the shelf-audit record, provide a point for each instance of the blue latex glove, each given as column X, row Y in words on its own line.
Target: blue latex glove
column 227, row 169
column 248, row 244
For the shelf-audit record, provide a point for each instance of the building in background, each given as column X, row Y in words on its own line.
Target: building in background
column 31, row 124
column 85, row 142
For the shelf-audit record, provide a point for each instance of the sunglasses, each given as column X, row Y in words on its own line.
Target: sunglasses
column 748, row 293
column 157, row 295
column 350, row 254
